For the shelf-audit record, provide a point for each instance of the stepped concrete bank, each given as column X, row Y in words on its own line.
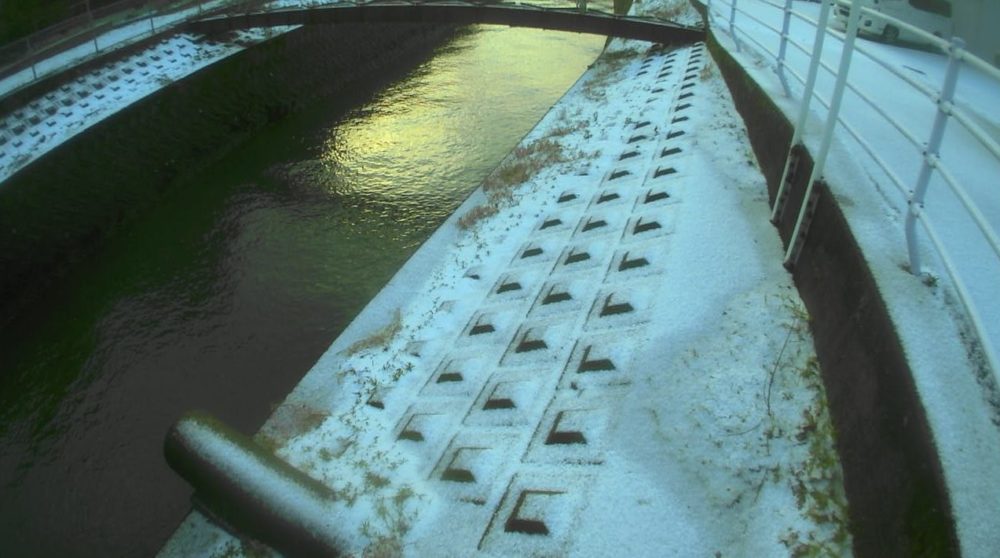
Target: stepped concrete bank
column 58, row 208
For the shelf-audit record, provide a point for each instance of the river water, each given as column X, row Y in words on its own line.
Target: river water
column 225, row 294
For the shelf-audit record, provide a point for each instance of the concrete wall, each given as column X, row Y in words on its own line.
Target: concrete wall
column 978, row 23
column 58, row 209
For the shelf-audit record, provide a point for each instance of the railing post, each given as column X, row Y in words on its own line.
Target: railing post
column 708, row 12
column 783, row 48
column 932, row 151
column 800, row 122
column 732, row 24
column 797, row 240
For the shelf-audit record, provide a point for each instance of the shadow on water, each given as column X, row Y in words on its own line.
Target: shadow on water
column 225, row 294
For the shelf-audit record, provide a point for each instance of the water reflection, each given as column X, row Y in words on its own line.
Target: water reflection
column 225, row 294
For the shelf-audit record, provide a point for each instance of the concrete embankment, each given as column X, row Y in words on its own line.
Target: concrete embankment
column 57, row 209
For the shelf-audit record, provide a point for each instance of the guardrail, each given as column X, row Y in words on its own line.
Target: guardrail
column 748, row 28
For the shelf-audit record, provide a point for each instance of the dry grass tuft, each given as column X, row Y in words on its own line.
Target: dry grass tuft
column 519, row 167
column 477, row 214
column 379, row 338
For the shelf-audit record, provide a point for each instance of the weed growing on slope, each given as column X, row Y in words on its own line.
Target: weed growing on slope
column 817, row 481
column 520, row 166
column 380, row 338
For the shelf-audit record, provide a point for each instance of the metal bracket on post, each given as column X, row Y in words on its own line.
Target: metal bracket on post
column 808, row 205
column 807, row 94
column 930, row 155
column 788, row 179
column 806, row 216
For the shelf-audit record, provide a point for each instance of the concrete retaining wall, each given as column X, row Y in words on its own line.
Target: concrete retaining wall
column 897, row 496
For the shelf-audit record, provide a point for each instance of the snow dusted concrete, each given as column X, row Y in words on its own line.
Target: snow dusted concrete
column 608, row 360
column 71, row 108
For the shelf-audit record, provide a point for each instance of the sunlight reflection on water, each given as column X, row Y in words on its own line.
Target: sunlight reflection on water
column 228, row 292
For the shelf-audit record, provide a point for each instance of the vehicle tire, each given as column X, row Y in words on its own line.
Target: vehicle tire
column 890, row 34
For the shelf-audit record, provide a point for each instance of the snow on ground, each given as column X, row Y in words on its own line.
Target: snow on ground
column 960, row 396
column 608, row 360
column 666, row 382
column 31, row 131
column 114, row 39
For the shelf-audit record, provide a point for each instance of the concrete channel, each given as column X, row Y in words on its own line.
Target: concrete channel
column 529, row 376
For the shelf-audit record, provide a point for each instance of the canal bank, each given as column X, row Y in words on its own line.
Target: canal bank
column 576, row 362
column 237, row 278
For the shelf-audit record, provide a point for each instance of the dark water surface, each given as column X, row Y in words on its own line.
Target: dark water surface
column 225, row 294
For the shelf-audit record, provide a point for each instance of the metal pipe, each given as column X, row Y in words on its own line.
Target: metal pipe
column 251, row 490
column 932, row 151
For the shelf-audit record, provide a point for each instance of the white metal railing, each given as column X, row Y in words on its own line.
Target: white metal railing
column 738, row 19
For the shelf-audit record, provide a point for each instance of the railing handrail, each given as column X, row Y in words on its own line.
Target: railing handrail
column 932, row 162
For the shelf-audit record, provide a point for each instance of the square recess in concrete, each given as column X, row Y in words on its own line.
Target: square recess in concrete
column 619, row 306
column 537, row 514
column 571, row 432
column 487, row 327
column 458, row 375
column 561, row 296
column 516, row 285
column 582, row 257
column 511, row 398
column 540, row 343
column 599, row 222
column 623, row 176
column 469, row 467
column 554, row 223
column 609, row 198
column 648, row 225
column 427, row 425
column 536, row 252
column 599, row 362
column 638, row 261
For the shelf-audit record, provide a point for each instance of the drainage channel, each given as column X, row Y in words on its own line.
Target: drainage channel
column 598, row 354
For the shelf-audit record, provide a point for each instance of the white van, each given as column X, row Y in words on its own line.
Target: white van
column 933, row 16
